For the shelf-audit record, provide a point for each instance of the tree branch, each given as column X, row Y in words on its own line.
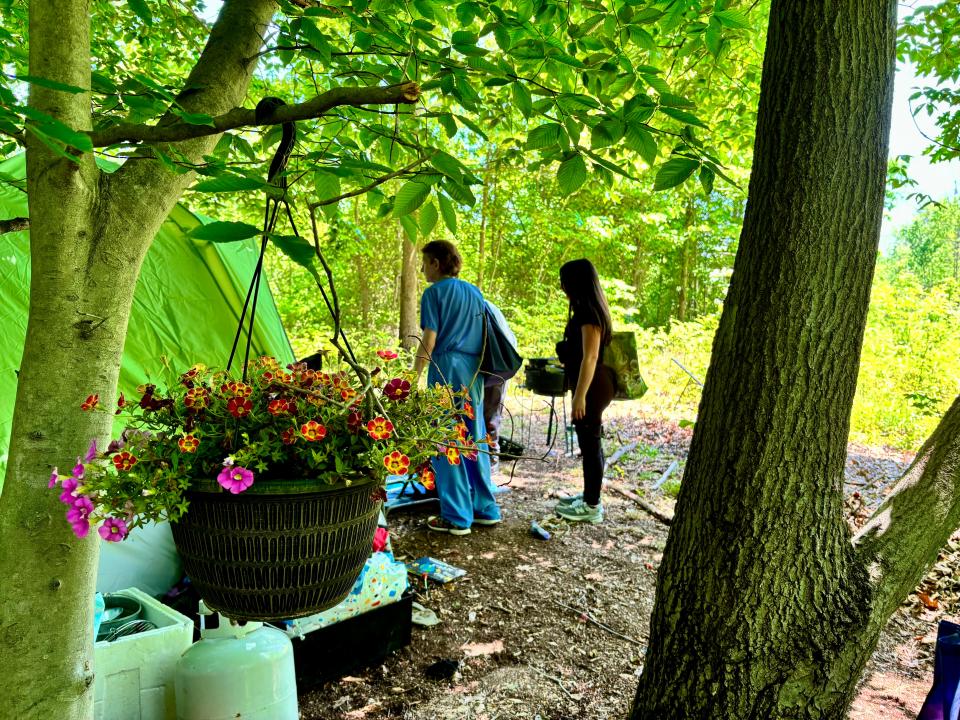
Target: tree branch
column 406, row 93
column 379, row 181
column 14, row 225
column 900, row 541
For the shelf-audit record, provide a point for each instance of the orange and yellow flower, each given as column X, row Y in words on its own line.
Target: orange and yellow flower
column 91, row 402
column 453, row 455
column 282, row 406
column 461, row 431
column 468, row 409
column 428, row 478
column 236, row 389
column 196, row 398
column 379, row 428
column 193, row 372
column 124, row 460
column 312, row 430
column 288, row 436
column 397, row 463
column 188, row 443
column 239, row 407
column 387, row 355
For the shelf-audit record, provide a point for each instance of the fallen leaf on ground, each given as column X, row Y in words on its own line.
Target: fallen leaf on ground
column 478, row 649
column 928, row 602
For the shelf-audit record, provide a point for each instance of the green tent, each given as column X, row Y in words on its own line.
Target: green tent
column 186, row 306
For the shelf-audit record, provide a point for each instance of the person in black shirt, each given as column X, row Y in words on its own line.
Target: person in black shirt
column 587, row 333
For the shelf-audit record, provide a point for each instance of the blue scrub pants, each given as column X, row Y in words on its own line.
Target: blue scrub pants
column 465, row 490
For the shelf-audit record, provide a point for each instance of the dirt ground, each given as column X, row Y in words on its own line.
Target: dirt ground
column 557, row 629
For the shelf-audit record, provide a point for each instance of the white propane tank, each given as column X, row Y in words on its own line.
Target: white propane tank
column 237, row 671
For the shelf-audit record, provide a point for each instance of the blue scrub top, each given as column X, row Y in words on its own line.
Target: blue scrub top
column 453, row 308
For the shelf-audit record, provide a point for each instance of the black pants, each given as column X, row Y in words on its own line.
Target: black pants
column 590, row 431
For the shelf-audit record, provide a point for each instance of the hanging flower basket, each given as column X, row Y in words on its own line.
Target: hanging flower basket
column 272, row 481
column 281, row 549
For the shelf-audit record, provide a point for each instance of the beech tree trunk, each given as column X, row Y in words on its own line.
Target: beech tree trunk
column 409, row 306
column 763, row 603
column 89, row 233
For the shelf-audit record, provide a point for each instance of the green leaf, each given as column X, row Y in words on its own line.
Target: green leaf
column 576, row 104
column 52, row 84
column 58, row 131
column 229, row 183
column 713, row 37
column 732, row 19
column 411, row 196
column 571, row 174
column 683, row 116
column 544, row 136
column 707, row 177
column 677, row 101
column 317, row 39
column 464, row 37
column 502, row 36
column 472, row 125
column 225, row 231
column 522, row 99
column 295, row 248
column 195, row 118
column 141, row 10
column 48, row 141
column 460, row 193
column 642, row 142
column 448, row 123
column 410, row 227
column 326, row 185
column 448, row 213
column 674, row 172
column 447, row 164
column 428, row 218
column 656, row 82
column 606, row 133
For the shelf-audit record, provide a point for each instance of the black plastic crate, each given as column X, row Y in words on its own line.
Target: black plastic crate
column 353, row 644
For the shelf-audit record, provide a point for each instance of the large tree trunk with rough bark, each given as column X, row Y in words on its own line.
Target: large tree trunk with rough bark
column 763, row 602
column 89, row 233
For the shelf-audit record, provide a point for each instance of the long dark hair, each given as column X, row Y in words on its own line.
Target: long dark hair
column 581, row 282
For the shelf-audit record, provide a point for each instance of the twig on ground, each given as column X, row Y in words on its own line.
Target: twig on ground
column 557, row 680
column 666, row 473
column 621, row 451
column 647, row 507
column 589, row 618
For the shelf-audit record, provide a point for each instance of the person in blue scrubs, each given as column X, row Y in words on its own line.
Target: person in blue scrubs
column 452, row 321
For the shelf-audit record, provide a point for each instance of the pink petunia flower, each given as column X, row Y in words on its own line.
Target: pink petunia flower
column 78, row 515
column 113, row 530
column 78, row 469
column 91, row 451
column 68, row 497
column 235, row 479
column 54, row 477
column 380, row 539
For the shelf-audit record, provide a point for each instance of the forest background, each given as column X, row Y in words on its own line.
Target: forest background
column 665, row 255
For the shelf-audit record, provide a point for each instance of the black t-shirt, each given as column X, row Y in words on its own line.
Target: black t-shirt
column 570, row 351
